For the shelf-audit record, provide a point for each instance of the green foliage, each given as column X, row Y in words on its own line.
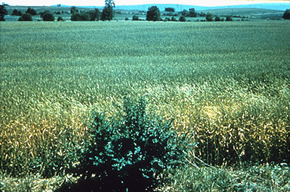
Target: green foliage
column 192, row 12
column 169, row 9
column 107, row 13
column 182, row 18
column 129, row 151
column 217, row 18
column 229, row 18
column 173, row 19
column 153, row 14
column 60, row 19
column 16, row 12
column 81, row 17
column 74, row 10
column 85, row 17
column 94, row 15
column 31, row 11
column 135, row 18
column 25, row 17
column 76, row 17
column 286, row 14
column 209, row 17
column 3, row 12
column 185, row 13
column 48, row 16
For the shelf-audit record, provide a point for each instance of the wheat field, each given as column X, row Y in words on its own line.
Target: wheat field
column 226, row 82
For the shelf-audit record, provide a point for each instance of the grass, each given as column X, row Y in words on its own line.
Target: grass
column 226, row 82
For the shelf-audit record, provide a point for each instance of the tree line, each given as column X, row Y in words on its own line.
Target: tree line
column 107, row 14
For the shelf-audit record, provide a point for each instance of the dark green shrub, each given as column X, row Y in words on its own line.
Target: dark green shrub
column 48, row 17
column 76, row 17
column 173, row 19
column 74, row 10
column 185, row 13
column 126, row 19
column 182, row 18
column 60, row 19
column 128, row 152
column 209, row 17
column 31, row 11
column 107, row 13
column 286, row 14
column 94, row 15
column 229, row 18
column 169, row 9
column 135, row 18
column 85, row 17
column 3, row 12
column 25, row 17
column 192, row 12
column 217, row 18
column 43, row 13
column 153, row 14
column 16, row 12
column 167, row 19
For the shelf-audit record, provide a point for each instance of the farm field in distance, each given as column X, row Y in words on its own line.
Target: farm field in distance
column 227, row 82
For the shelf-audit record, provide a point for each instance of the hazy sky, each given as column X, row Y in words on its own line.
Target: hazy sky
column 134, row 2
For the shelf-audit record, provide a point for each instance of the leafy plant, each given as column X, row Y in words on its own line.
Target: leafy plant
column 209, row 17
column 31, row 11
column 182, row 18
column 129, row 151
column 153, row 14
column 48, row 17
column 286, row 14
column 25, row 17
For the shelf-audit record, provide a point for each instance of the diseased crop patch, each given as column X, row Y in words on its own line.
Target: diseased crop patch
column 226, row 82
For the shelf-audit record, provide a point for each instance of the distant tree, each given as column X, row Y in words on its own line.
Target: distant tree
column 60, row 19
column 153, row 14
column 25, row 17
column 185, row 13
column 135, row 18
column 43, row 13
column 286, row 14
column 3, row 12
column 74, row 10
column 229, row 18
column 16, row 12
column 209, row 17
column 85, row 17
column 31, row 11
column 75, row 17
column 94, row 15
column 48, row 17
column 173, row 19
column 217, row 18
column 182, row 18
column 169, row 9
column 107, row 13
column 192, row 12
column 167, row 19
column 126, row 19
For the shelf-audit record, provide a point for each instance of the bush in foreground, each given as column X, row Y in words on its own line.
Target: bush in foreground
column 128, row 152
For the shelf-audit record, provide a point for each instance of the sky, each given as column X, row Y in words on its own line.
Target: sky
column 135, row 2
